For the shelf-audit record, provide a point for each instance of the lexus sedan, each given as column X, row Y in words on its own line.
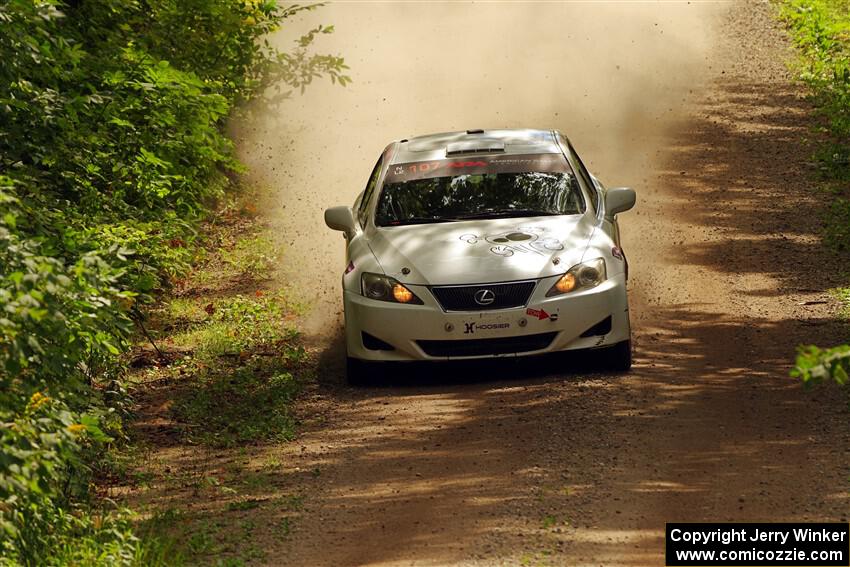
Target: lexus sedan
column 482, row 244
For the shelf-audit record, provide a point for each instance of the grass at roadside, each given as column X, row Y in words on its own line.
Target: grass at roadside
column 228, row 340
column 216, row 378
column 843, row 295
column 821, row 31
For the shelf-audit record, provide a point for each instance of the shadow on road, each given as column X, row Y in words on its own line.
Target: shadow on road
column 548, row 459
column 545, row 455
column 433, row 377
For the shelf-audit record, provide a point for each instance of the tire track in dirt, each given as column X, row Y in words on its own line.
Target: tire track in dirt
column 544, row 461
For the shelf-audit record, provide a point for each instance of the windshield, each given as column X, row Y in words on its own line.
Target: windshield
column 482, row 188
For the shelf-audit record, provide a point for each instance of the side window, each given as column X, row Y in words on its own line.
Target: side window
column 367, row 193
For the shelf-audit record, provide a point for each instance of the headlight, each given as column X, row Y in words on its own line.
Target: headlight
column 581, row 276
column 385, row 288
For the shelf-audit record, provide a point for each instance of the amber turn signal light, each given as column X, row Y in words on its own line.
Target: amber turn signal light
column 566, row 283
column 402, row 294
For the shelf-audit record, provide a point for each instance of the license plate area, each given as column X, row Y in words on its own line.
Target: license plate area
column 483, row 325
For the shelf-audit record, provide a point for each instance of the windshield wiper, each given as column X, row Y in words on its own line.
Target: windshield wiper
column 509, row 213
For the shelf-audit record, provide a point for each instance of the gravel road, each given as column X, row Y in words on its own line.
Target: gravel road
column 546, row 462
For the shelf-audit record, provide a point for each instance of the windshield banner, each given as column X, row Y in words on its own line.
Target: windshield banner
column 477, row 165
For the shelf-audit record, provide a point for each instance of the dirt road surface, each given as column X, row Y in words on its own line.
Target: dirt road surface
column 545, row 462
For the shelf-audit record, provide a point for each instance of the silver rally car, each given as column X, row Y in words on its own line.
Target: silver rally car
column 481, row 244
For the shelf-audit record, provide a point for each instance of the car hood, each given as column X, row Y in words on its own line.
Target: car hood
column 481, row 251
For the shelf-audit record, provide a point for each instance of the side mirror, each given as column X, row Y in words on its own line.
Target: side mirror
column 618, row 200
column 340, row 218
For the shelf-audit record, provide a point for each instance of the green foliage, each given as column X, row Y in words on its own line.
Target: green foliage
column 816, row 365
column 244, row 405
column 843, row 295
column 112, row 149
column 59, row 321
column 252, row 257
column 204, row 538
column 821, row 31
column 45, row 478
column 242, row 353
column 837, row 223
column 236, row 325
column 38, row 448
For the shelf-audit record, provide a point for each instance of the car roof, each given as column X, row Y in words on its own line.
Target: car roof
column 475, row 142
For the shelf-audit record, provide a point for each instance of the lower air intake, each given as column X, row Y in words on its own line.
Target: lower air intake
column 601, row 328
column 372, row 342
column 485, row 347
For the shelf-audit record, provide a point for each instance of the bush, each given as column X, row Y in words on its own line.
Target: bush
column 43, row 475
column 816, row 365
column 112, row 150
column 821, row 31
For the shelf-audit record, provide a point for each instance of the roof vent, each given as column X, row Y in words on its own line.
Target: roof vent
column 475, row 131
column 475, row 147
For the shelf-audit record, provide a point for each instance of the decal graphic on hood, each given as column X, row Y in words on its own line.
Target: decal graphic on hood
column 485, row 250
column 523, row 239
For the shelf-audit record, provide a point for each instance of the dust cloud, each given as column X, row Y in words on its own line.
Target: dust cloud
column 612, row 76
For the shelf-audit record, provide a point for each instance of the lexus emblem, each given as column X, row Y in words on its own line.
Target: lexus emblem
column 484, row 296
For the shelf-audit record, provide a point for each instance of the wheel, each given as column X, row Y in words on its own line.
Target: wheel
column 358, row 372
column 618, row 357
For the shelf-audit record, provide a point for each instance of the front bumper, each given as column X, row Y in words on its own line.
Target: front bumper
column 545, row 324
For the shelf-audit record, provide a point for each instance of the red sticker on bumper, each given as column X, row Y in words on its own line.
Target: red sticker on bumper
column 539, row 313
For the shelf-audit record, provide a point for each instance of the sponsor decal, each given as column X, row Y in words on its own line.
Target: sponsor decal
column 541, row 314
column 502, row 251
column 470, row 328
column 523, row 239
column 543, row 163
column 457, row 164
column 422, row 169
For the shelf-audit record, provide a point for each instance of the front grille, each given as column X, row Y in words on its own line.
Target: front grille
column 485, row 347
column 462, row 297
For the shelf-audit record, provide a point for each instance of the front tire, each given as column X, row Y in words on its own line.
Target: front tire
column 618, row 358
